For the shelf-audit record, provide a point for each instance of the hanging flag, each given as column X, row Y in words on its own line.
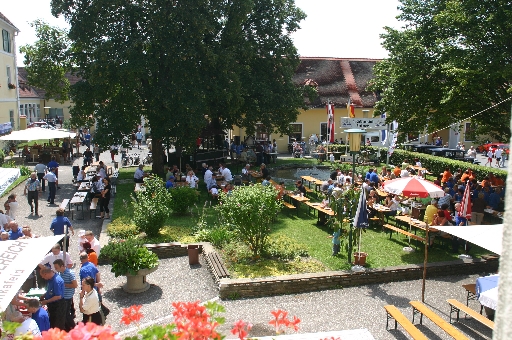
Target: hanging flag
column 384, row 133
column 394, row 138
column 330, row 123
column 361, row 218
column 465, row 203
column 350, row 109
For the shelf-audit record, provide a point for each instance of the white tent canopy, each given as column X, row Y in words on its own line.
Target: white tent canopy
column 37, row 133
column 17, row 261
column 485, row 236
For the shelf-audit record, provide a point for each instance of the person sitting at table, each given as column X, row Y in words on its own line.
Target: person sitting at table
column 384, row 172
column 226, row 173
column 101, row 172
column 397, row 171
column 430, row 212
column 372, row 199
column 300, row 189
column 405, row 164
column 439, row 220
column 392, row 202
column 447, row 213
column 81, row 175
column 227, row 188
column 139, row 175
column 88, row 157
column 389, row 174
column 417, row 162
column 214, row 191
column 169, row 184
column 266, row 181
column 264, row 171
column 191, row 179
column 374, row 177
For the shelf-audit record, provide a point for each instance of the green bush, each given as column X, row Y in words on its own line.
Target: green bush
column 25, row 170
column 128, row 257
column 2, row 157
column 151, row 206
column 122, row 227
column 218, row 236
column 237, row 252
column 285, row 248
column 251, row 210
column 183, row 198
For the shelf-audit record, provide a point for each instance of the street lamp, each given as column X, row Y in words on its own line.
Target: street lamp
column 354, row 141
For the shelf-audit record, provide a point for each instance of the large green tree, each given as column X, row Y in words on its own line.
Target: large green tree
column 177, row 62
column 451, row 60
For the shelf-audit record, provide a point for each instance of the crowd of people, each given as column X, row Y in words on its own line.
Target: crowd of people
column 56, row 307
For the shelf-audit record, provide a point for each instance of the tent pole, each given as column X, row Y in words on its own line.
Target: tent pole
column 425, row 264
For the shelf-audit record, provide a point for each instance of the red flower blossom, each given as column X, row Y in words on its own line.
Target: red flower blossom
column 131, row 314
column 242, row 329
column 281, row 320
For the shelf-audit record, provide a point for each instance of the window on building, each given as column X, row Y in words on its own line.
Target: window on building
column 6, row 40
column 469, row 135
column 11, row 117
column 296, row 133
column 262, row 133
column 8, row 71
column 38, row 110
column 323, row 131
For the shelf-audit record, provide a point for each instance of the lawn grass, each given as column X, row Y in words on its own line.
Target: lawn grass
column 299, row 226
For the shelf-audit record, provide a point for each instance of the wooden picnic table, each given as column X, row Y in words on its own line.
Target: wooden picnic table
column 415, row 223
column 84, row 186
column 323, row 212
column 296, row 197
column 381, row 193
column 380, row 209
column 308, row 179
column 78, row 199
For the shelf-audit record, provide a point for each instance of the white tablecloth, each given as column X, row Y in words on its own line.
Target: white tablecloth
column 489, row 298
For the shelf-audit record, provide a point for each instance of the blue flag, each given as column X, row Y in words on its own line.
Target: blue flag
column 361, row 218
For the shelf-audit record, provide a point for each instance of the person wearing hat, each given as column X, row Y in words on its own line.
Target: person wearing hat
column 138, row 177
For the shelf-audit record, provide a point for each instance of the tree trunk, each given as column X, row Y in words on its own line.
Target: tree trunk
column 158, row 161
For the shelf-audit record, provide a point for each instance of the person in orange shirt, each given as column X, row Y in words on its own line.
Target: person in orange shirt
column 465, row 176
column 492, row 179
column 397, row 171
column 471, row 175
column 499, row 182
column 446, row 175
column 91, row 254
column 280, row 189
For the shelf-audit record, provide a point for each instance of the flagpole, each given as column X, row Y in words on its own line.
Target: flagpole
column 387, row 142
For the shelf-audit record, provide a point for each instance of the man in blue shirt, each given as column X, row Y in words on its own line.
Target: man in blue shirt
column 494, row 199
column 52, row 185
column 39, row 315
column 374, row 177
column 15, row 231
column 170, row 182
column 58, row 227
column 87, row 138
column 89, row 269
column 69, row 290
column 53, row 298
column 55, row 166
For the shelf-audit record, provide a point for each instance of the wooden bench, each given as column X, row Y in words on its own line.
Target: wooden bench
column 64, row 204
column 456, row 306
column 393, row 313
column 401, row 231
column 216, row 265
column 289, row 205
column 93, row 206
column 419, row 307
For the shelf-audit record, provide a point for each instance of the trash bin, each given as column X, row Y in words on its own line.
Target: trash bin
column 193, row 254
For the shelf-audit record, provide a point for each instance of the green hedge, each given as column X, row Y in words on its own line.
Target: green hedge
column 436, row 164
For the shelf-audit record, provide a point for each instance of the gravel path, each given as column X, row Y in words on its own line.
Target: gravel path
column 339, row 309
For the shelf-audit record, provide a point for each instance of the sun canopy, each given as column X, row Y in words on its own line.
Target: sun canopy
column 37, row 133
column 18, row 260
column 413, row 187
column 485, row 236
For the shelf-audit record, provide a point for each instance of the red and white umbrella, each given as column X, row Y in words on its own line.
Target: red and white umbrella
column 413, row 187
column 465, row 204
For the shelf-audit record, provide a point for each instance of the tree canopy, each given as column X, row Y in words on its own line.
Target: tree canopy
column 179, row 64
column 450, row 60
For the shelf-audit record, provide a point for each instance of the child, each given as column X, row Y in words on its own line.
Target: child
column 39, row 315
column 335, row 242
column 81, row 240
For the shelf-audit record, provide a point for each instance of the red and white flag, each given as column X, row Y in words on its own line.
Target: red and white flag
column 330, row 123
column 465, row 204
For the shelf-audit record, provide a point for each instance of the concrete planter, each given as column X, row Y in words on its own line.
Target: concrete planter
column 137, row 283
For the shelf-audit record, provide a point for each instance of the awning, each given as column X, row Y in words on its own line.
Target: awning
column 485, row 236
column 18, row 260
column 37, row 133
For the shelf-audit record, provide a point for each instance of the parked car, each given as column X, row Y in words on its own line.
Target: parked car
column 43, row 125
column 485, row 147
column 456, row 154
column 423, row 148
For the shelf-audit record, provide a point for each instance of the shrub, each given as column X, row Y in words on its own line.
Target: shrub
column 251, row 210
column 128, row 257
column 218, row 236
column 183, row 198
column 151, row 206
column 285, row 248
column 237, row 252
column 25, row 170
column 2, row 157
column 122, row 227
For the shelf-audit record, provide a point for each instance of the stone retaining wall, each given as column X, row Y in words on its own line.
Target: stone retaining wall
column 301, row 283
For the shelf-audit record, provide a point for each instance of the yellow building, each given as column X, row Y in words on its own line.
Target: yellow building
column 8, row 76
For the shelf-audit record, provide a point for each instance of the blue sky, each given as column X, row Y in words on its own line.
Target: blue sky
column 333, row 28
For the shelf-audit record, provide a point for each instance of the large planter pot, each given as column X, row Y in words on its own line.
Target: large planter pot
column 360, row 258
column 137, row 283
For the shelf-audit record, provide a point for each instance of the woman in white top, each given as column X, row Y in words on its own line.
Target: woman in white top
column 81, row 175
column 89, row 302
column 191, row 179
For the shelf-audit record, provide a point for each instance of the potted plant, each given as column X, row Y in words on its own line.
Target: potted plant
column 131, row 258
